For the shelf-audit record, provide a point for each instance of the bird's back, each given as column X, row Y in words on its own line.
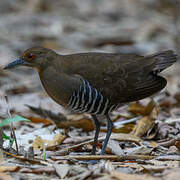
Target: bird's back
column 119, row 77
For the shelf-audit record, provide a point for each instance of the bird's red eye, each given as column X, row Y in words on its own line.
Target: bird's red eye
column 31, row 56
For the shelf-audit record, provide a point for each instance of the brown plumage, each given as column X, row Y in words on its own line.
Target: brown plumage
column 97, row 83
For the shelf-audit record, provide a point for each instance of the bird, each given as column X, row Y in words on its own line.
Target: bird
column 97, row 83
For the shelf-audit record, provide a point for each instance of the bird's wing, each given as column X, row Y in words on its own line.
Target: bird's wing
column 121, row 78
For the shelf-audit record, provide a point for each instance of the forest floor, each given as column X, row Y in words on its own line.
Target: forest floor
column 56, row 144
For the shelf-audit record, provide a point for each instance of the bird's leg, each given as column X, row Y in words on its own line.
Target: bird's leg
column 109, row 130
column 97, row 126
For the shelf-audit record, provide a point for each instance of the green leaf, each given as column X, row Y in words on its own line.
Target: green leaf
column 44, row 155
column 10, row 120
column 8, row 138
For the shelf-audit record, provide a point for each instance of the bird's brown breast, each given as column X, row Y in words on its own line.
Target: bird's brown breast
column 58, row 85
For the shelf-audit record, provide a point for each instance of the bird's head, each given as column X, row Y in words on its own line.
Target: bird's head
column 34, row 57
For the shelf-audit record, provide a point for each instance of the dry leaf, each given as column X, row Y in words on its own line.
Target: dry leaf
column 39, row 142
column 126, row 137
column 1, row 156
column 83, row 176
column 38, row 170
column 124, row 176
column 153, row 144
column 126, row 128
column 115, row 148
column 84, row 123
column 61, row 170
column 172, row 174
column 168, row 158
column 143, row 126
column 4, row 176
column 153, row 168
column 9, row 168
column 152, row 132
column 173, row 150
column 166, row 130
column 170, row 164
column 143, row 150
column 17, row 90
column 40, row 120
column 58, row 139
column 165, row 104
column 149, row 108
column 178, row 145
column 146, row 123
column 138, row 167
column 138, row 109
column 48, row 114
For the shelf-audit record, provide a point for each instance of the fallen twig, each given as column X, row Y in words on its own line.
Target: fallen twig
column 105, row 157
column 11, row 125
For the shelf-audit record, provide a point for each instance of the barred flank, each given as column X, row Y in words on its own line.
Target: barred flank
column 90, row 100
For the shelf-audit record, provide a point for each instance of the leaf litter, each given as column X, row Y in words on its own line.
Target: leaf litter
column 145, row 139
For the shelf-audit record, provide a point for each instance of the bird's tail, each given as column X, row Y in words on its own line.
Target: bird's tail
column 164, row 59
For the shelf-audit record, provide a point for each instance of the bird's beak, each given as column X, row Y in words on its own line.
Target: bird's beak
column 15, row 63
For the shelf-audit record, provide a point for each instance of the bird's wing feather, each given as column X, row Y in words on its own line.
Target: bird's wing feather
column 119, row 77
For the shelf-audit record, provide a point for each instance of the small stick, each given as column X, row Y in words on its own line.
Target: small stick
column 105, row 157
column 11, row 125
column 112, row 157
